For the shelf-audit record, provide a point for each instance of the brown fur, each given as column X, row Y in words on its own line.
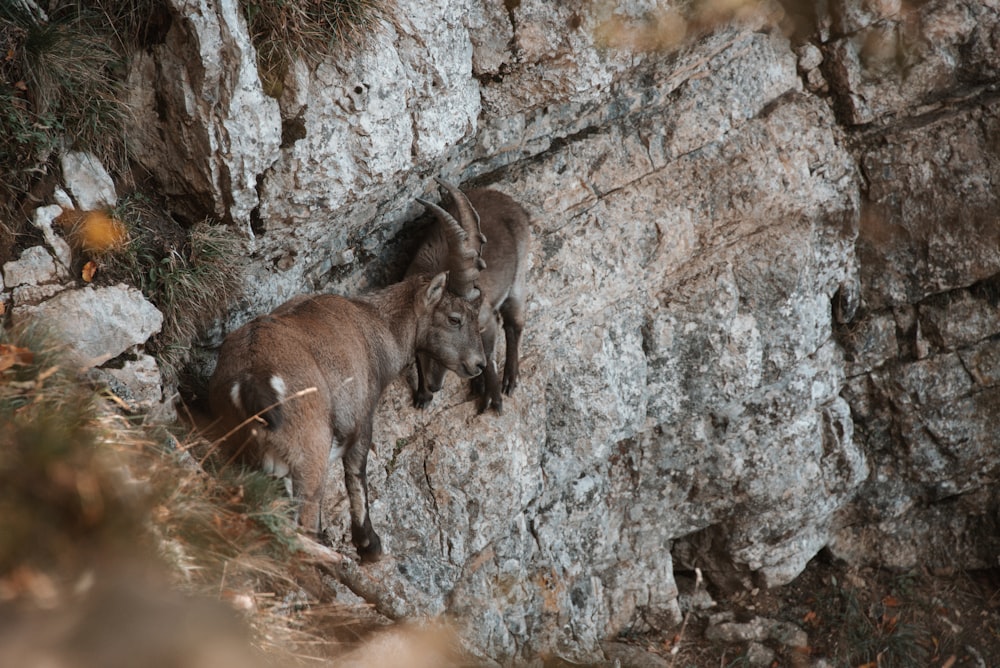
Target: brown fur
column 504, row 223
column 349, row 350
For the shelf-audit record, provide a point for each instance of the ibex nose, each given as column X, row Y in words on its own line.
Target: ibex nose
column 480, row 367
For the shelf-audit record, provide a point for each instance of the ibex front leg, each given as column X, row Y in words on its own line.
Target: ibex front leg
column 513, row 325
column 487, row 385
column 363, row 536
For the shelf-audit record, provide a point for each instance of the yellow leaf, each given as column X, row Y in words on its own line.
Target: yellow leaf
column 89, row 269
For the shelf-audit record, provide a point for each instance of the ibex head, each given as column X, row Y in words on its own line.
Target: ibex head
column 465, row 242
column 480, row 213
column 450, row 327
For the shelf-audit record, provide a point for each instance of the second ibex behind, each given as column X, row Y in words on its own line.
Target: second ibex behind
column 299, row 387
column 497, row 228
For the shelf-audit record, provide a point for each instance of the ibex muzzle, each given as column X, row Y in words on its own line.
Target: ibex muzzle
column 349, row 350
column 497, row 229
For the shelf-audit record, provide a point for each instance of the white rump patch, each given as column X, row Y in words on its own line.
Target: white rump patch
column 274, row 465
column 234, row 394
column 278, row 385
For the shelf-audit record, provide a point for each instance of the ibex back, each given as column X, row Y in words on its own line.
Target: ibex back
column 349, row 350
column 500, row 226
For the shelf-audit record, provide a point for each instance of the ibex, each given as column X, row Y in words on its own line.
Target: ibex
column 497, row 228
column 349, row 350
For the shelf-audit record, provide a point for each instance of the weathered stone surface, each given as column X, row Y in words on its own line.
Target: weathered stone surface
column 699, row 351
column 42, row 220
column 34, row 267
column 930, row 221
column 890, row 57
column 758, row 629
column 929, row 424
column 690, row 397
column 33, row 294
column 87, row 181
column 202, row 123
column 623, row 654
column 136, row 382
column 759, row 655
column 958, row 319
column 869, row 343
column 97, row 324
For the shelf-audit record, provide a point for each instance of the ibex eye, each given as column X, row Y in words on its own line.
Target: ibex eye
column 455, row 320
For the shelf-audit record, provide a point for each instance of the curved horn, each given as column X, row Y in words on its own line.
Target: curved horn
column 467, row 214
column 469, row 219
column 463, row 264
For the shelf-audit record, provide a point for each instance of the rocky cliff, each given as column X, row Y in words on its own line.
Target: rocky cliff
column 763, row 314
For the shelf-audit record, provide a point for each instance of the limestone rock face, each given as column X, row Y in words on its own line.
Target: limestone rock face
column 763, row 280
column 887, row 57
column 202, row 123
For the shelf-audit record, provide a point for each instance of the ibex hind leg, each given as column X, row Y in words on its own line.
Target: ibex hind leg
column 365, row 540
column 309, row 479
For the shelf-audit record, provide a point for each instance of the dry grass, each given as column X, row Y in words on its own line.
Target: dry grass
column 103, row 519
column 309, row 29
column 62, row 76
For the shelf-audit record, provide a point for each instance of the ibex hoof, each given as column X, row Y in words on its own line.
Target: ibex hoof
column 422, row 399
column 509, row 386
column 372, row 552
column 496, row 403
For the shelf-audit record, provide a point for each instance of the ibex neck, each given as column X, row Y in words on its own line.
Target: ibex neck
column 396, row 338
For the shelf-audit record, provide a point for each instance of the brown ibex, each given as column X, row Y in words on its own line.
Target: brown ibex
column 497, row 228
column 349, row 350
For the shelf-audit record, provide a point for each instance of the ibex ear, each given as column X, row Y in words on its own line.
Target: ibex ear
column 435, row 291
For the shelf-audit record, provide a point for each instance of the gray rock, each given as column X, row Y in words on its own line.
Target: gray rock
column 889, row 58
column 630, row 656
column 97, row 324
column 222, row 130
column 759, row 655
column 691, row 397
column 136, row 382
column 87, row 181
column 42, row 220
column 34, row 267
column 758, row 629
column 24, row 295
column 915, row 241
column 810, row 57
column 958, row 320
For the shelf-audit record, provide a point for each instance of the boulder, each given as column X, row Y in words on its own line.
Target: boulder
column 97, row 324
column 34, row 267
column 88, row 181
